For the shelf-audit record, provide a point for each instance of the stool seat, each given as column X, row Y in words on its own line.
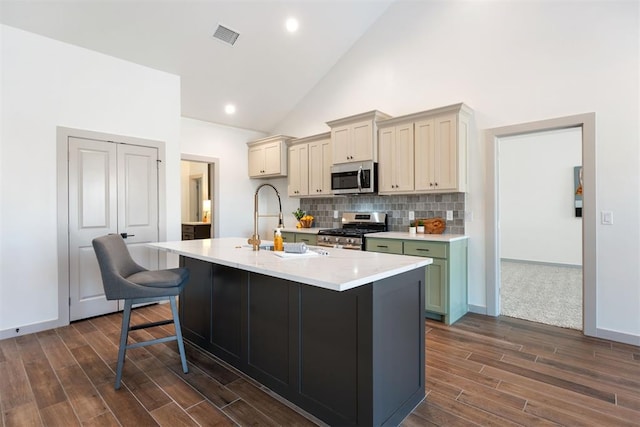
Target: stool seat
column 160, row 278
column 123, row 278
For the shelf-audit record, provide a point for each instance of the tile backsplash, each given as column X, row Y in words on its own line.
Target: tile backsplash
column 396, row 207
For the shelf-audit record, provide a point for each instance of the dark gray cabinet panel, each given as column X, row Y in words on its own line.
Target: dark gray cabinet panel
column 349, row 358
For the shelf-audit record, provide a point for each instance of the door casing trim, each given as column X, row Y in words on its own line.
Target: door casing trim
column 587, row 122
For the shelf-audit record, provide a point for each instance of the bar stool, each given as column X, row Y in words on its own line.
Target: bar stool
column 123, row 278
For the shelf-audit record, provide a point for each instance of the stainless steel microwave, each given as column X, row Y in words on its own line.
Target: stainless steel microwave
column 354, row 178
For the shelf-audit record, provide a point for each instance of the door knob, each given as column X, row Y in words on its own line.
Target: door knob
column 125, row 235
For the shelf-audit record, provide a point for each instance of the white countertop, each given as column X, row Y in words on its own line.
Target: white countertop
column 418, row 236
column 340, row 270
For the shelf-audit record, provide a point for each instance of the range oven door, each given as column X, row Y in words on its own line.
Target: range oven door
column 354, row 178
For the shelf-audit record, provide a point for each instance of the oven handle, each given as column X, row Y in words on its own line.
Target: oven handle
column 360, row 178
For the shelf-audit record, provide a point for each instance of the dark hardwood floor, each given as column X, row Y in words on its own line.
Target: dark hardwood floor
column 480, row 371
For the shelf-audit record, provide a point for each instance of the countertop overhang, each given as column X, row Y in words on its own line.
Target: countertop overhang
column 340, row 270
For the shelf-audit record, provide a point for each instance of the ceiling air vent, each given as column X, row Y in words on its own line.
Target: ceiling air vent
column 226, row 35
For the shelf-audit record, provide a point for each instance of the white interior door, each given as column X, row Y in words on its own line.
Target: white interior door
column 113, row 188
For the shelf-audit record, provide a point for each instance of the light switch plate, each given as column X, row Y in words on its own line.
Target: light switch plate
column 606, row 217
column 335, row 214
column 449, row 215
column 412, row 215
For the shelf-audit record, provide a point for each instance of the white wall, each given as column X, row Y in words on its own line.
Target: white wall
column 512, row 62
column 45, row 84
column 228, row 144
column 537, row 213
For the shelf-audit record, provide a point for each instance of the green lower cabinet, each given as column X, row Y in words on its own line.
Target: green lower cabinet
column 308, row 238
column 293, row 237
column 435, row 292
column 446, row 277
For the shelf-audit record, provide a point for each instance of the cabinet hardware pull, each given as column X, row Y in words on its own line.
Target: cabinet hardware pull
column 383, row 246
column 421, row 249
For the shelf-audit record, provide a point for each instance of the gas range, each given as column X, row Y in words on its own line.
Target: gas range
column 354, row 226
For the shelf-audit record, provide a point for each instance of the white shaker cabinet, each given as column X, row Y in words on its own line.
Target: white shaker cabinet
column 268, row 157
column 298, row 182
column 395, row 157
column 354, row 138
column 310, row 166
column 437, row 142
column 320, row 166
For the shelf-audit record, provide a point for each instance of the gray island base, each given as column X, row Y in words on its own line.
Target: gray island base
column 349, row 357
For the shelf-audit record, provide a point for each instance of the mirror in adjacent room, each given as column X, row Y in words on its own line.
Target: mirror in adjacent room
column 196, row 197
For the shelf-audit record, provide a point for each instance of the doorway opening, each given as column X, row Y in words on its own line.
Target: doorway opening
column 541, row 227
column 200, row 195
column 586, row 123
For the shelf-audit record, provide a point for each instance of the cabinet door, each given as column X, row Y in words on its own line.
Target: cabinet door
column 298, row 170
column 341, row 139
column 362, row 141
column 320, row 168
column 288, row 236
column 404, row 158
column 424, row 155
column 386, row 167
column 446, row 156
column 436, row 287
column 272, row 158
column 196, row 322
column 256, row 161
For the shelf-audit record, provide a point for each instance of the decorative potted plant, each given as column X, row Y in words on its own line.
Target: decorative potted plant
column 412, row 227
column 420, row 228
column 304, row 220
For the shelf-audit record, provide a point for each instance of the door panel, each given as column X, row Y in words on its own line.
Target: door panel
column 113, row 188
column 92, row 213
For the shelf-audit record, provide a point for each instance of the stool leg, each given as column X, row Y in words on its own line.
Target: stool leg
column 176, row 323
column 124, row 336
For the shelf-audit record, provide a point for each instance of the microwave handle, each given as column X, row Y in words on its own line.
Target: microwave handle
column 360, row 178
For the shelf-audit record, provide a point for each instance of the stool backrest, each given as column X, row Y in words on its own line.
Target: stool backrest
column 115, row 264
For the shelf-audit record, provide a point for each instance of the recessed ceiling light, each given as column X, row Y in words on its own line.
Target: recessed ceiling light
column 292, row 25
column 230, row 109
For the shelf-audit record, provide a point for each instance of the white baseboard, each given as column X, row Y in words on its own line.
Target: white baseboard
column 478, row 309
column 618, row 336
column 30, row 329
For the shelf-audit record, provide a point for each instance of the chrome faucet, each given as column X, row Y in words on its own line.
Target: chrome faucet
column 254, row 240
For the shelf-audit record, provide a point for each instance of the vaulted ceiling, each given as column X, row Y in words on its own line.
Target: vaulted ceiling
column 265, row 73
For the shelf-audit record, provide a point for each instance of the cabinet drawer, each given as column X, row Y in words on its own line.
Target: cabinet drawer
column 428, row 249
column 309, row 239
column 387, row 246
column 188, row 229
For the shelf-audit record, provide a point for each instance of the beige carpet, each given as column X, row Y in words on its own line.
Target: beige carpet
column 549, row 294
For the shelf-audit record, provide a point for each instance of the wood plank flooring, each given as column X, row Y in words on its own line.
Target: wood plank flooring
column 480, row 371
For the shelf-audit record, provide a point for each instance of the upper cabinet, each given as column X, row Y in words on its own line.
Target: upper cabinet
column 395, row 159
column 268, row 157
column 354, row 138
column 310, row 166
column 436, row 141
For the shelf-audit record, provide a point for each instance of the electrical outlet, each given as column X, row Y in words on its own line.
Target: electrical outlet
column 412, row 216
column 449, row 215
column 335, row 214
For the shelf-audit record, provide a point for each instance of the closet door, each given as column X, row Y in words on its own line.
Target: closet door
column 113, row 188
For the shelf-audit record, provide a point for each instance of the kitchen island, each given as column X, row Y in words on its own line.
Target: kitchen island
column 339, row 335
